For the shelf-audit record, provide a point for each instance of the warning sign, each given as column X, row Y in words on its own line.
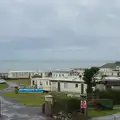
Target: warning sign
column 83, row 104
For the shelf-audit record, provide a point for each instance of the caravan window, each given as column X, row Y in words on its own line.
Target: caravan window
column 33, row 82
column 76, row 85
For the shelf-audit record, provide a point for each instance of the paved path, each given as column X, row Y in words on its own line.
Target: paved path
column 110, row 117
column 12, row 110
column 9, row 88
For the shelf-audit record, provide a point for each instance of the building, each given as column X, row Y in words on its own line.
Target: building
column 3, row 75
column 110, row 83
column 79, row 70
column 60, row 81
column 72, row 85
column 60, row 74
column 111, row 69
column 20, row 74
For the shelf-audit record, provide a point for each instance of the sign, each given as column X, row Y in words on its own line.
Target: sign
column 83, row 104
column 30, row 90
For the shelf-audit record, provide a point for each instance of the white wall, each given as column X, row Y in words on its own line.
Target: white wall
column 42, row 83
column 68, row 87
column 72, row 87
column 54, row 86
column 19, row 74
column 100, row 87
column 59, row 75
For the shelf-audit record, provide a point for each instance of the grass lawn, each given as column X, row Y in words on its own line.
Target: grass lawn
column 98, row 113
column 27, row 99
column 21, row 81
column 2, row 86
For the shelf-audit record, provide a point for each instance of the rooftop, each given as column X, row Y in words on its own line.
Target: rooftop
column 60, row 71
column 36, row 76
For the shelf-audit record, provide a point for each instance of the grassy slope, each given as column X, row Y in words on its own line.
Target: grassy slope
column 2, row 86
column 27, row 98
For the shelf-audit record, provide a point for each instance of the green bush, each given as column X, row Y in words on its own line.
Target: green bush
column 72, row 104
column 16, row 90
column 110, row 94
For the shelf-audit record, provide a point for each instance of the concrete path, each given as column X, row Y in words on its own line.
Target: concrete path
column 9, row 88
column 12, row 110
column 110, row 117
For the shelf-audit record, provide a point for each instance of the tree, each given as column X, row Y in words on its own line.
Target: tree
column 89, row 78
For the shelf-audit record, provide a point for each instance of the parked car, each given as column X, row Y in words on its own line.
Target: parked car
column 2, row 81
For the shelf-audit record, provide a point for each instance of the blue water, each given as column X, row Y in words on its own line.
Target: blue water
column 47, row 64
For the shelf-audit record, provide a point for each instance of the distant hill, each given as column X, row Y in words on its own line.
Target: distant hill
column 111, row 65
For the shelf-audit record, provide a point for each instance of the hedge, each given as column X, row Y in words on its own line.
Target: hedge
column 67, row 105
column 110, row 94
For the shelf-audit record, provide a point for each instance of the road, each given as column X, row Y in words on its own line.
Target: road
column 110, row 117
column 15, row 111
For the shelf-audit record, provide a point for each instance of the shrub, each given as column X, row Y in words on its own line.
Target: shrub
column 110, row 94
column 66, row 105
column 16, row 90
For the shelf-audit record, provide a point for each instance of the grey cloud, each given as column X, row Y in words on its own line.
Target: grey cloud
column 60, row 24
column 40, row 18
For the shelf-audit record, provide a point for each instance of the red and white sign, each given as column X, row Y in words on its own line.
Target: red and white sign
column 83, row 104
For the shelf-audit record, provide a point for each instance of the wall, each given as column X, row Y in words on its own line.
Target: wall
column 59, row 75
column 54, row 86
column 19, row 74
column 42, row 83
column 68, row 87
column 72, row 87
column 100, row 87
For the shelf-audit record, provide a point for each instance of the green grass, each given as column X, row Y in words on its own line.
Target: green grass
column 32, row 101
column 2, row 86
column 27, row 99
column 21, row 81
column 98, row 113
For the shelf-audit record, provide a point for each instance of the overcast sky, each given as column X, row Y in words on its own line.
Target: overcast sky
column 60, row 29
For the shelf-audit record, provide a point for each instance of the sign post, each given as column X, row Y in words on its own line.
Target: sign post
column 83, row 106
